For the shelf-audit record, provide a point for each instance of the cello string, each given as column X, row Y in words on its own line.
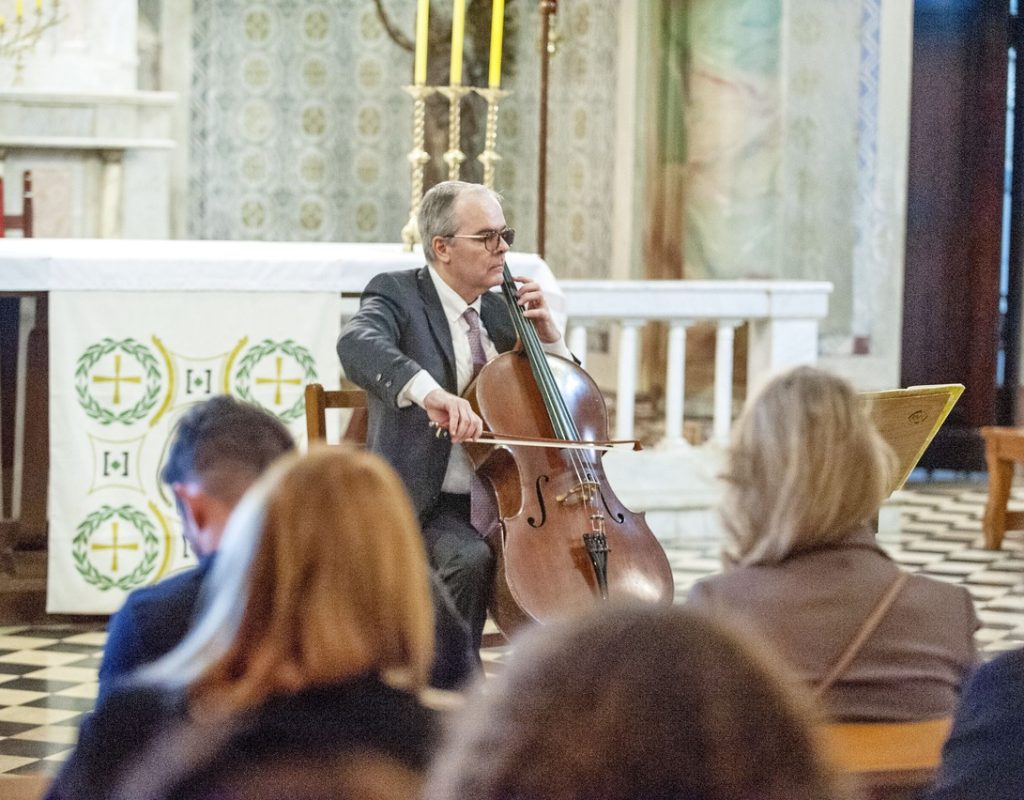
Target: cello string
column 582, row 464
column 561, row 420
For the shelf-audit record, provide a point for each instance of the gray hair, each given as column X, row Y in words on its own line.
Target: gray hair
column 437, row 211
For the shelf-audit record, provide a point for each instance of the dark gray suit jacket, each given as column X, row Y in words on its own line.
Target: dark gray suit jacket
column 401, row 328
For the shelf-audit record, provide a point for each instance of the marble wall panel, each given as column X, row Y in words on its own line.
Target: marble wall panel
column 820, row 158
column 53, row 201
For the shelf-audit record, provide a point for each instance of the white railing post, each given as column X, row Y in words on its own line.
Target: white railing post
column 783, row 318
column 578, row 340
column 625, row 399
column 777, row 344
column 675, row 383
column 723, row 378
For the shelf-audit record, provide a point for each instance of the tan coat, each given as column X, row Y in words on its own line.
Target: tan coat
column 810, row 606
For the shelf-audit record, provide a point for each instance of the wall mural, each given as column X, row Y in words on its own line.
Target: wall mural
column 300, row 127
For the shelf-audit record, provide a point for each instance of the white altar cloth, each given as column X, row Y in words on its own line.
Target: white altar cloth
column 129, row 265
column 139, row 331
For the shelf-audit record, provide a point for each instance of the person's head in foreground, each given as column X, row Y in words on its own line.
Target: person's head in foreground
column 632, row 703
column 220, row 447
column 807, row 467
column 321, row 578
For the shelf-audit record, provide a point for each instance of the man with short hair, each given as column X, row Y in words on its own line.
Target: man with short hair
column 416, row 342
column 220, row 447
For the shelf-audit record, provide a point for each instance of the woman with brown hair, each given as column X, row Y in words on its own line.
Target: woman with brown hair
column 633, row 703
column 807, row 473
column 314, row 643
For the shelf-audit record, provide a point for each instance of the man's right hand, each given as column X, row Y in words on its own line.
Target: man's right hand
column 454, row 413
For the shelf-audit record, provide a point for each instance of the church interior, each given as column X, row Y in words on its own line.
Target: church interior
column 194, row 195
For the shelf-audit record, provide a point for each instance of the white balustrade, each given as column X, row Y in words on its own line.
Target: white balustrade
column 577, row 339
column 628, row 346
column 782, row 317
column 675, row 382
column 724, row 338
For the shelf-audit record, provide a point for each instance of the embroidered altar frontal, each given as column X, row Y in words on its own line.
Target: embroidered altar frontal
column 124, row 366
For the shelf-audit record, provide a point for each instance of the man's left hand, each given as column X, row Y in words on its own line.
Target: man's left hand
column 535, row 308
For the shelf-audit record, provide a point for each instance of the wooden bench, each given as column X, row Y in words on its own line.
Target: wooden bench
column 1004, row 447
column 23, row 787
column 887, row 756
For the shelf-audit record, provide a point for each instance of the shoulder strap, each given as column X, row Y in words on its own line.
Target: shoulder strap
column 862, row 635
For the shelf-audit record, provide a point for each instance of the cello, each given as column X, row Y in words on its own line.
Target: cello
column 565, row 541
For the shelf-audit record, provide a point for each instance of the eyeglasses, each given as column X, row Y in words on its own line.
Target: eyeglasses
column 489, row 238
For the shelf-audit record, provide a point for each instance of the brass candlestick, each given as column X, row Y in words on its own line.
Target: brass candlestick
column 489, row 156
column 454, row 156
column 418, row 158
column 21, row 36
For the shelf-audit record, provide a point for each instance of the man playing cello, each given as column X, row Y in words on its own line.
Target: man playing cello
column 418, row 340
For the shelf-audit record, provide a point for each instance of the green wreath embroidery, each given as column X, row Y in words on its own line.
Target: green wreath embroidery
column 152, row 381
column 84, row 532
column 289, row 347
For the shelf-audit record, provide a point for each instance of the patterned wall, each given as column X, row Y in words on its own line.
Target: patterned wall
column 295, row 123
column 300, row 128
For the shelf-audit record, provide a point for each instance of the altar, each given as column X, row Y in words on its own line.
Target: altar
column 137, row 332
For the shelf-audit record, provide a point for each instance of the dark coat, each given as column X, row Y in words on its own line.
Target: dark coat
column 984, row 757
column 151, row 623
column 401, row 328
column 154, row 620
column 317, row 724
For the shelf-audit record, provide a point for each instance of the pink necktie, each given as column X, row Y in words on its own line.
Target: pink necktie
column 483, row 510
column 476, row 346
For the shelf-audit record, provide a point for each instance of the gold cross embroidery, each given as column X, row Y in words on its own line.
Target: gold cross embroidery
column 117, row 379
column 278, row 381
column 115, row 547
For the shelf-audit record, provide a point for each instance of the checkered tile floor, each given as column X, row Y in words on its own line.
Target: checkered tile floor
column 47, row 681
column 48, row 674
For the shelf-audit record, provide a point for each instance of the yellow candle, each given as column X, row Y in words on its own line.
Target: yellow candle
column 458, row 34
column 2, row 22
column 497, row 26
column 39, row 6
column 422, row 34
column 19, row 8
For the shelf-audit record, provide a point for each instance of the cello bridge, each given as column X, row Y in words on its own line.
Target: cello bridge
column 582, row 492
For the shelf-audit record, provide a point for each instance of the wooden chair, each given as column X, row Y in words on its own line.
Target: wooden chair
column 23, row 787
column 318, row 400
column 1004, row 447
column 888, row 758
column 18, row 222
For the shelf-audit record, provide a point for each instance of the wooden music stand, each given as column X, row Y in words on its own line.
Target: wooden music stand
column 908, row 420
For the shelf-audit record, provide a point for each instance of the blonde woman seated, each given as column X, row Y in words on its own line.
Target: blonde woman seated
column 807, row 473
column 309, row 653
column 633, row 703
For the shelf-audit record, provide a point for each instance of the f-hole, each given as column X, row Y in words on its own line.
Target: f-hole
column 540, row 501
